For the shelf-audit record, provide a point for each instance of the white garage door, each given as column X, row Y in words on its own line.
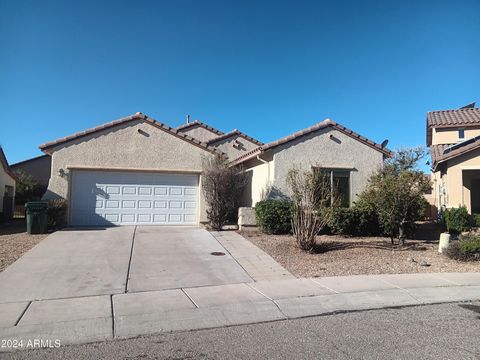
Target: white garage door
column 125, row 198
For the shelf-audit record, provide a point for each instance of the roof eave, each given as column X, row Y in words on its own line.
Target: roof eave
column 49, row 147
column 234, row 133
column 299, row 134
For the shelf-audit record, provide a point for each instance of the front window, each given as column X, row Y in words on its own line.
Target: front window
column 339, row 184
column 461, row 134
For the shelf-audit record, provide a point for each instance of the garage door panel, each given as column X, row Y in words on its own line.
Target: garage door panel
column 107, row 198
column 161, row 191
column 160, row 204
column 129, row 190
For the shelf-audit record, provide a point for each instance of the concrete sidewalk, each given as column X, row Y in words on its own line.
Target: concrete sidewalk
column 104, row 317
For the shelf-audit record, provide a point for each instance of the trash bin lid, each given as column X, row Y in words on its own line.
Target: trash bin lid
column 36, row 205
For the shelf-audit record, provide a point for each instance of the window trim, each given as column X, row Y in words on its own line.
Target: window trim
column 462, row 130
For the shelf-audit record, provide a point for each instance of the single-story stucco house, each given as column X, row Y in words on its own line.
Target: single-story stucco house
column 7, row 188
column 137, row 170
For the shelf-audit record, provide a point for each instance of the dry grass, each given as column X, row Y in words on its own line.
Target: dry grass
column 14, row 242
column 338, row 256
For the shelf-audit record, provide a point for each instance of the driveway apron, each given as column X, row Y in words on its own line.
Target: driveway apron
column 178, row 257
column 70, row 263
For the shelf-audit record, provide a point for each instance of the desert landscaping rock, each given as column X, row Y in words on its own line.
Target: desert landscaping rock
column 357, row 256
column 14, row 242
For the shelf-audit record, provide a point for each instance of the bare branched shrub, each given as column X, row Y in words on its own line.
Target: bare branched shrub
column 57, row 213
column 221, row 185
column 312, row 199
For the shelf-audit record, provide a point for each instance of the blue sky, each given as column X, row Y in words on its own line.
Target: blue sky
column 267, row 68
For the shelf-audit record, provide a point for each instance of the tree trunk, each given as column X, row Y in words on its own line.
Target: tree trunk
column 401, row 233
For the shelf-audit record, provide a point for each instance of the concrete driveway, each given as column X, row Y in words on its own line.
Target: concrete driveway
column 78, row 263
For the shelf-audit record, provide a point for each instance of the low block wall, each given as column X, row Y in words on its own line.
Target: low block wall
column 246, row 218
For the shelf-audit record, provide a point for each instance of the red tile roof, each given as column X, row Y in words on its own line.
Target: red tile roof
column 436, row 151
column 444, row 152
column 231, row 134
column 321, row 125
column 465, row 117
column 47, row 147
column 449, row 118
column 184, row 127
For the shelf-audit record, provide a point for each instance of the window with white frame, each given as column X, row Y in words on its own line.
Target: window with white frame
column 461, row 134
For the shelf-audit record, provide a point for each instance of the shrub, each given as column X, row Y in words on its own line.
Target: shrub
column 342, row 221
column 27, row 189
column 467, row 248
column 274, row 216
column 222, row 185
column 359, row 220
column 396, row 192
column 57, row 213
column 311, row 198
column 475, row 220
column 456, row 220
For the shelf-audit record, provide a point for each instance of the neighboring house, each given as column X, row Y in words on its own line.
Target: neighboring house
column 347, row 157
column 136, row 170
column 454, row 140
column 7, row 188
column 38, row 168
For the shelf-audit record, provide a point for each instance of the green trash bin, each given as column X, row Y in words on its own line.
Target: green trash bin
column 37, row 217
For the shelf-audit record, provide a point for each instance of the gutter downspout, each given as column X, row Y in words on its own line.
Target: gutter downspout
column 268, row 166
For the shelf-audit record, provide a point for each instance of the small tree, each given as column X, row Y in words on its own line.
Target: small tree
column 311, row 197
column 396, row 192
column 26, row 188
column 222, row 186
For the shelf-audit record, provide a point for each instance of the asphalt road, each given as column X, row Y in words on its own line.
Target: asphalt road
column 449, row 331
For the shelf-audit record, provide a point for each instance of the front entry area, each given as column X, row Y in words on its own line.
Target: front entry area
column 102, row 198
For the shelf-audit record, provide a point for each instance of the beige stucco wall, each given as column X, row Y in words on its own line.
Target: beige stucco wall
column 242, row 146
column 438, row 196
column 5, row 179
column 124, row 147
column 200, row 133
column 318, row 149
column 450, row 135
column 457, row 179
column 38, row 169
column 260, row 176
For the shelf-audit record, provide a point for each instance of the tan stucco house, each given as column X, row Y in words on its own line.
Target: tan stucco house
column 137, row 170
column 453, row 137
column 349, row 158
column 7, row 188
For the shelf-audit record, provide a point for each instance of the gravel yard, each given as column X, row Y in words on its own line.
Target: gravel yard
column 357, row 256
column 14, row 242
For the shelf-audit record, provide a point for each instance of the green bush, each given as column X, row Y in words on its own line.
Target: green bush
column 57, row 213
column 342, row 221
column 475, row 220
column 359, row 220
column 467, row 248
column 457, row 220
column 274, row 216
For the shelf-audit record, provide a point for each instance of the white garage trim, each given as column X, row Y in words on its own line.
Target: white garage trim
column 105, row 197
column 130, row 169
